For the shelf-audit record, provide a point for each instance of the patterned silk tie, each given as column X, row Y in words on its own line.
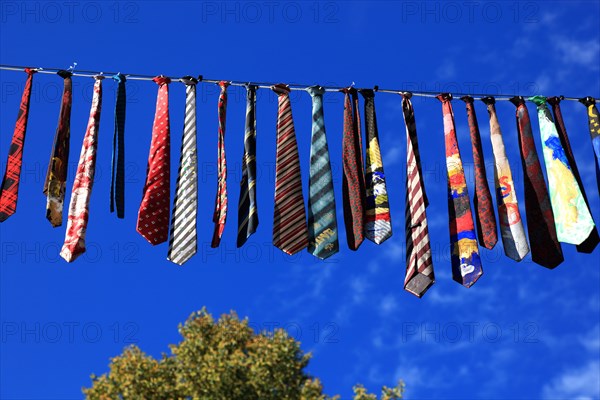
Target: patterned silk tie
column 290, row 232
column 594, row 124
column 9, row 191
column 466, row 263
column 220, row 214
column 487, row 230
column 84, row 180
column 117, row 185
column 183, row 240
column 378, row 224
column 247, row 211
column 511, row 225
column 153, row 215
column 590, row 243
column 573, row 220
column 545, row 249
column 322, row 222
column 419, row 265
column 353, row 182
column 56, row 178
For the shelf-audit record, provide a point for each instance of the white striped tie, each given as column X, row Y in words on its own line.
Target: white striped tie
column 183, row 241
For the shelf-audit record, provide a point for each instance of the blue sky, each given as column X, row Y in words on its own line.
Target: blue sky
column 521, row 332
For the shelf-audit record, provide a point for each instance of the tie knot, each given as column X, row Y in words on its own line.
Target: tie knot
column 162, row 80
column 120, row 78
column 588, row 101
column 64, row 74
column 99, row 77
column 517, row 100
column 489, row 100
column 189, row 80
column 348, row 90
column 281, row 89
column 444, row 97
column 539, row 101
column 406, row 95
column 315, row 90
column 367, row 93
column 223, row 85
column 554, row 100
column 467, row 99
column 30, row 71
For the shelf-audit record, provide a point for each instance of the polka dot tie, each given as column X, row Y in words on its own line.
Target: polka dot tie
column 153, row 216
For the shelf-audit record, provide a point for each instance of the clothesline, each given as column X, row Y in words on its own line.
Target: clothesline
column 266, row 85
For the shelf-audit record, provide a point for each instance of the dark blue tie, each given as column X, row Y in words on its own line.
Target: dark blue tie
column 117, row 186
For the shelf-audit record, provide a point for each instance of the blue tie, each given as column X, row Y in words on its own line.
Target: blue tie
column 117, row 185
column 322, row 225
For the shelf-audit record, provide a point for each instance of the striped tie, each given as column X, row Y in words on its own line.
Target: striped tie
column 77, row 221
column 511, row 225
column 9, row 191
column 56, row 178
column 419, row 265
column 573, row 220
column 247, row 211
column 220, row 214
column 487, row 230
column 183, row 241
column 590, row 243
column 466, row 263
column 290, row 233
column 378, row 224
column 545, row 249
column 353, row 179
column 322, row 223
column 117, row 185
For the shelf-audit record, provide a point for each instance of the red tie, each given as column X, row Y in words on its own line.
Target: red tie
column 9, row 190
column 220, row 214
column 153, row 216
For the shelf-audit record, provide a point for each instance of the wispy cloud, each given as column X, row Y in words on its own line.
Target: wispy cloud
column 575, row 383
column 585, row 53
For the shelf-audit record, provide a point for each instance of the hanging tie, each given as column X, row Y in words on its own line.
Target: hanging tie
column 571, row 215
column 56, row 178
column 545, row 249
column 220, row 214
column 511, row 225
column 183, row 240
column 592, row 240
column 419, row 264
column 322, row 222
column 594, row 123
column 117, row 183
column 79, row 211
column 482, row 201
column 9, row 191
column 353, row 180
column 153, row 215
column 378, row 224
column 247, row 211
column 290, row 232
column 466, row 263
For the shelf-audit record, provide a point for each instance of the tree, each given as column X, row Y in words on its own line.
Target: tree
column 222, row 359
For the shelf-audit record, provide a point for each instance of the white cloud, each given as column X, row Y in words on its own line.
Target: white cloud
column 591, row 340
column 392, row 156
column 582, row 52
column 359, row 286
column 581, row 383
column 388, row 305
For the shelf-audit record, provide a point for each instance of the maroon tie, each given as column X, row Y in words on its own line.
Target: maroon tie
column 9, row 191
column 589, row 244
column 353, row 182
column 220, row 214
column 545, row 249
column 487, row 230
column 153, row 216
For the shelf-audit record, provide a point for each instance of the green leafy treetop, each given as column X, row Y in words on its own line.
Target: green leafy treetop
column 218, row 360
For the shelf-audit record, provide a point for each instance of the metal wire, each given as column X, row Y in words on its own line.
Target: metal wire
column 266, row 85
